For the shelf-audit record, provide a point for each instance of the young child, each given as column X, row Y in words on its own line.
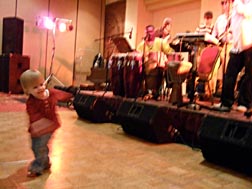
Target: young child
column 41, row 104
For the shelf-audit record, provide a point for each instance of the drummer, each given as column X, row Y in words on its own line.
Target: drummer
column 152, row 47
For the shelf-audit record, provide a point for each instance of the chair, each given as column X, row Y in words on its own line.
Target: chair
column 207, row 64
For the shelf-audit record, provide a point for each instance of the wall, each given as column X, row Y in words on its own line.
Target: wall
column 185, row 17
column 38, row 43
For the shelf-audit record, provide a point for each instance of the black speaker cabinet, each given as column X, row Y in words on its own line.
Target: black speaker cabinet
column 11, row 68
column 227, row 142
column 97, row 109
column 13, row 29
column 146, row 121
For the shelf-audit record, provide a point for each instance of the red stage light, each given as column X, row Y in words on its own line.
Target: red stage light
column 63, row 24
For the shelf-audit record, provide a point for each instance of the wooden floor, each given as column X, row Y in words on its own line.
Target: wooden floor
column 101, row 156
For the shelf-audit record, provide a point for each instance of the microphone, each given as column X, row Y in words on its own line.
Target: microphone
column 130, row 33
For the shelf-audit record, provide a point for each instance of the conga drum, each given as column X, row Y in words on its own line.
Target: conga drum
column 117, row 63
column 133, row 75
column 171, row 57
column 177, row 72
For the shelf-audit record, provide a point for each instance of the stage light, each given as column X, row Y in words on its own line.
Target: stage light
column 61, row 24
column 45, row 22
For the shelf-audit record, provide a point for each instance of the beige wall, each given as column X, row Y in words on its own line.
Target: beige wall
column 186, row 16
column 38, row 43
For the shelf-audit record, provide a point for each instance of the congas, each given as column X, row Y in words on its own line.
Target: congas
column 176, row 75
column 117, row 63
column 133, row 75
column 172, row 58
column 177, row 71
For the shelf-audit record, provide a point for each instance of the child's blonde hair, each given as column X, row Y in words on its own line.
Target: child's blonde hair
column 29, row 78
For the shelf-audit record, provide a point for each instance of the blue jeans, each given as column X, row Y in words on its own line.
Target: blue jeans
column 41, row 152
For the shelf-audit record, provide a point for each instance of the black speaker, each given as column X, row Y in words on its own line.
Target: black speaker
column 146, row 121
column 227, row 142
column 12, row 35
column 11, row 67
column 97, row 109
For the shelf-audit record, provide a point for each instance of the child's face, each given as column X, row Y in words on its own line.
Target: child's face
column 37, row 89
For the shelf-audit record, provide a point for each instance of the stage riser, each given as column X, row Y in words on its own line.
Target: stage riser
column 187, row 123
column 148, row 122
column 145, row 121
column 227, row 142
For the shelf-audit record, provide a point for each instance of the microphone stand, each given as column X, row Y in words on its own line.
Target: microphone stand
column 51, row 75
column 108, row 57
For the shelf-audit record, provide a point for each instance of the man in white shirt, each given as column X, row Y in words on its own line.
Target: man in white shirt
column 240, row 56
column 222, row 32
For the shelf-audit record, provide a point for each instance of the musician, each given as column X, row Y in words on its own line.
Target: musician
column 152, row 47
column 207, row 26
column 165, row 30
column 222, row 32
column 240, row 56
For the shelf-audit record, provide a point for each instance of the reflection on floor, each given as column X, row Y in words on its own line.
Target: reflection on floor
column 88, row 155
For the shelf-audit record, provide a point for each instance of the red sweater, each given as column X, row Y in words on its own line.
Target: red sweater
column 37, row 108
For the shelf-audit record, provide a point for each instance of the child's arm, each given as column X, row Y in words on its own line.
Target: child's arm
column 61, row 95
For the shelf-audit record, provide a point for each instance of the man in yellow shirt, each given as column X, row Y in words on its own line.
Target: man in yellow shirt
column 153, row 49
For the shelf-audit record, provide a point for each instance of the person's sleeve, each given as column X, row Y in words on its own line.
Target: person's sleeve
column 244, row 9
column 61, row 95
column 166, row 48
column 140, row 47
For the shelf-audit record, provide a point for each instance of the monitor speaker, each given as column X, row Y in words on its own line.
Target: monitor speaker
column 227, row 142
column 12, row 35
column 146, row 121
column 97, row 109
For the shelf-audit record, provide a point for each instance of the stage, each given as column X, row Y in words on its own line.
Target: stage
column 223, row 137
